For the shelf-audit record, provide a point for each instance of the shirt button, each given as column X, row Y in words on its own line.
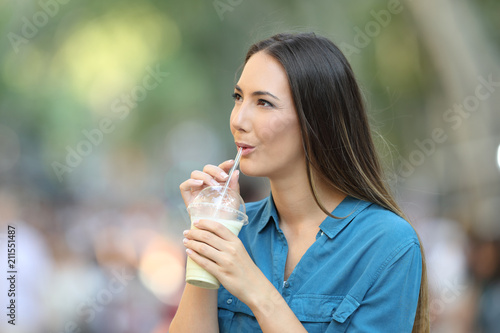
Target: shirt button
column 229, row 301
column 322, row 233
column 286, row 284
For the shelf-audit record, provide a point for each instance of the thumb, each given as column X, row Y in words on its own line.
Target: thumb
column 234, row 182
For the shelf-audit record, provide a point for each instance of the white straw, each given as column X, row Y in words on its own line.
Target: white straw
column 236, row 162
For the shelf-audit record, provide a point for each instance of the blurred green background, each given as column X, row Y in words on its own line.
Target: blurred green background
column 106, row 107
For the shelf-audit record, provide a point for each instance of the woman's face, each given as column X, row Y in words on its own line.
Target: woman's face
column 264, row 121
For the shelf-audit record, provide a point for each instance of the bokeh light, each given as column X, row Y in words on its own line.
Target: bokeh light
column 162, row 269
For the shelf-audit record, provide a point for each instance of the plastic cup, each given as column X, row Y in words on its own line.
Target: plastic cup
column 218, row 204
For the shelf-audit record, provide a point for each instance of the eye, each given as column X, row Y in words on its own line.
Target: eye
column 263, row 102
column 236, row 97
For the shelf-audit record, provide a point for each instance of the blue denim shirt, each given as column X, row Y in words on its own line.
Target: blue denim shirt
column 362, row 274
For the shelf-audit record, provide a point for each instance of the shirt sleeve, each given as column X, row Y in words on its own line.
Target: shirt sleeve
column 390, row 303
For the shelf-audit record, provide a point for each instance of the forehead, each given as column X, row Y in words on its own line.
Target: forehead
column 263, row 72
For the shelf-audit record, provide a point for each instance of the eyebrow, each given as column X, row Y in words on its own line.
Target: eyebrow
column 257, row 93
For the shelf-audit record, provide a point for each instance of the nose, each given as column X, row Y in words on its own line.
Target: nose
column 240, row 118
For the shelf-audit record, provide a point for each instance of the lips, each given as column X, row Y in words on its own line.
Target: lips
column 247, row 149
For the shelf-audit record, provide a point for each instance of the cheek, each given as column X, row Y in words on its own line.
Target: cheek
column 275, row 128
column 283, row 132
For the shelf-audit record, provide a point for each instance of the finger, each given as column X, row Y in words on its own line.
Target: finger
column 214, row 227
column 207, row 179
column 226, row 165
column 191, row 184
column 202, row 247
column 203, row 262
column 217, row 173
column 234, row 182
column 202, row 236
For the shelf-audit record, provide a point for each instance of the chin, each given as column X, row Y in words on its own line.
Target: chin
column 252, row 171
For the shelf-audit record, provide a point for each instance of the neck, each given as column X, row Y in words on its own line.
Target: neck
column 295, row 202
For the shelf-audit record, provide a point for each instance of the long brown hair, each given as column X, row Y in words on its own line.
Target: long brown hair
column 335, row 128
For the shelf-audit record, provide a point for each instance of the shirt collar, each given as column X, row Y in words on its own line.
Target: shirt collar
column 268, row 212
column 345, row 211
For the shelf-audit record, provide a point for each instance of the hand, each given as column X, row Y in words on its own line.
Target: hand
column 210, row 176
column 216, row 249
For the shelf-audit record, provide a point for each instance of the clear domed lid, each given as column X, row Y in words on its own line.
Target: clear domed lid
column 213, row 195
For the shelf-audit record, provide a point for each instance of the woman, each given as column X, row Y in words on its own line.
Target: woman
column 329, row 250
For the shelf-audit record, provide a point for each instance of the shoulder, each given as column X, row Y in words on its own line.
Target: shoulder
column 379, row 241
column 383, row 223
column 384, row 233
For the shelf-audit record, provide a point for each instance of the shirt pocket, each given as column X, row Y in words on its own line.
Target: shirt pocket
column 324, row 313
column 343, row 314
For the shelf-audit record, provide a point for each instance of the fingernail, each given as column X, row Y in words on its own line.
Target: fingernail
column 188, row 251
column 185, row 240
column 224, row 175
column 198, row 181
column 185, row 232
column 196, row 222
column 214, row 182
